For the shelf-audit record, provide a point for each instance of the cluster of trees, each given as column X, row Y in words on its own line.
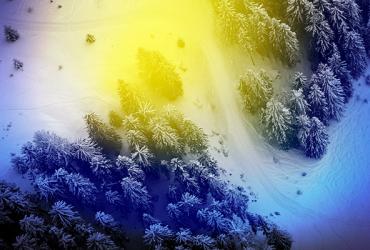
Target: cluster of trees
column 337, row 32
column 29, row 223
column 332, row 24
column 297, row 117
column 249, row 25
column 167, row 165
column 163, row 132
column 159, row 74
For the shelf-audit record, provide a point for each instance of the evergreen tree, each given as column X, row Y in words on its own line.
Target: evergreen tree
column 159, row 74
column 256, row 90
column 332, row 90
column 164, row 137
column 106, row 220
column 316, row 140
column 353, row 14
column 303, row 124
column 135, row 193
column 115, row 120
column 340, row 69
column 277, row 120
column 142, row 156
column 156, row 234
column 354, row 53
column 228, row 19
column 318, row 105
column 129, row 99
column 273, row 33
column 63, row 214
column 102, row 134
column 279, row 239
column 297, row 103
column 296, row 11
column 99, row 241
column 299, row 81
column 204, row 242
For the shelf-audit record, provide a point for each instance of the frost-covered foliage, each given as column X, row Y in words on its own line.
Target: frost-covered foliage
column 277, row 121
column 355, row 53
column 115, row 120
column 314, row 138
column 159, row 74
column 332, row 90
column 318, row 105
column 99, row 241
column 102, row 134
column 128, row 97
column 171, row 168
column 255, row 89
column 157, row 234
column 329, row 23
column 338, row 43
column 340, row 70
column 28, row 223
column 297, row 103
column 298, row 81
column 62, row 213
column 135, row 193
column 250, row 26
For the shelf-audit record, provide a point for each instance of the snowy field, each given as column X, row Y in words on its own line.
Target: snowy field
column 323, row 204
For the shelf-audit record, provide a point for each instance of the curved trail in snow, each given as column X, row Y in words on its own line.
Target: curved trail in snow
column 251, row 155
column 333, row 210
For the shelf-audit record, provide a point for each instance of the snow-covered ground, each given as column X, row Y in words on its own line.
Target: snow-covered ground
column 326, row 208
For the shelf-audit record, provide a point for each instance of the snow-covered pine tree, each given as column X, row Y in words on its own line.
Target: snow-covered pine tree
column 115, row 120
column 156, row 234
column 296, row 11
column 159, row 74
column 337, row 17
column 135, row 193
column 297, row 103
column 228, row 19
column 332, row 90
column 103, row 135
column 316, row 140
column 164, row 137
column 285, row 41
column 62, row 213
column 299, row 81
column 272, row 33
column 98, row 241
column 142, row 156
column 129, row 99
column 322, row 34
column 354, row 53
column 340, row 69
column 352, row 12
column 277, row 120
column 255, row 89
column 279, row 239
column 105, row 220
column 203, row 241
column 318, row 105
column 303, row 123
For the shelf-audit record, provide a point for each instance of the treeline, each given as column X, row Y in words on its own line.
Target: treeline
column 147, row 163
column 248, row 25
column 339, row 44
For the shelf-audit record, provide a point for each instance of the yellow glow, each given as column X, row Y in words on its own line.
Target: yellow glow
column 160, row 26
